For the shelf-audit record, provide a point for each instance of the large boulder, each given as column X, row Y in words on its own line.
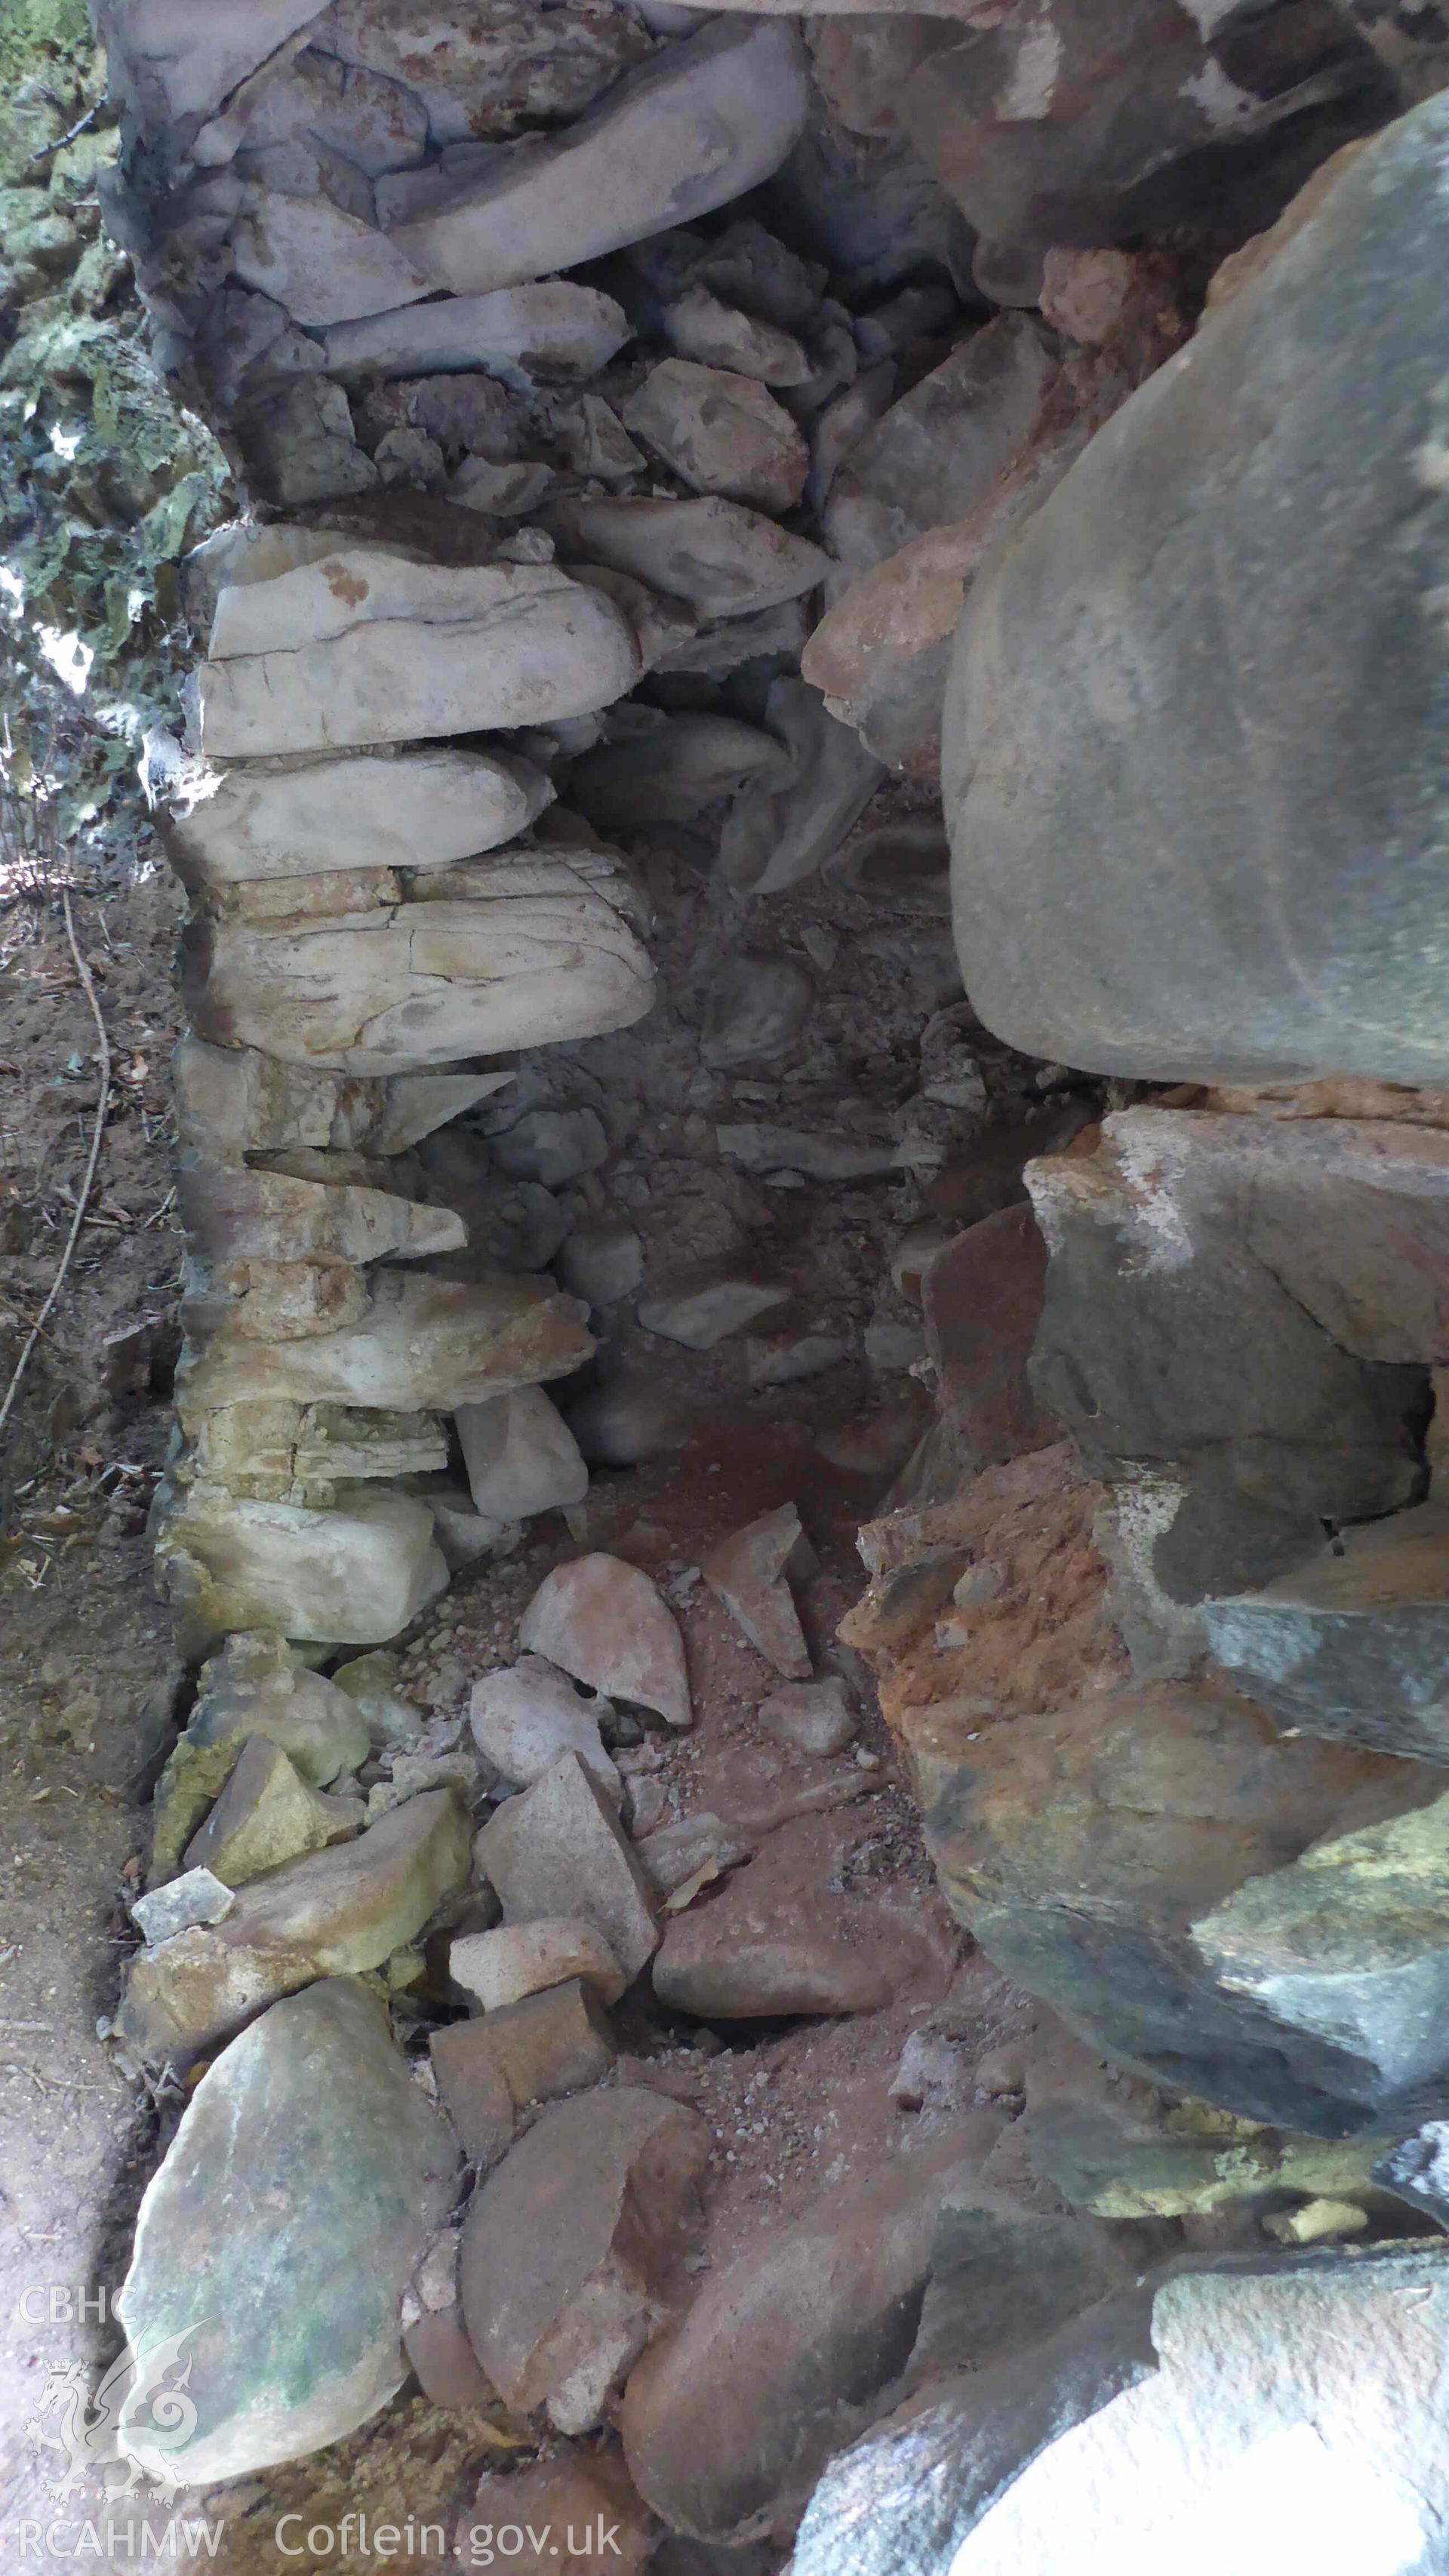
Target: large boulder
column 1355, row 1641
column 1074, row 122
column 1200, row 1272
column 356, row 1573
column 1303, row 2396
column 797, row 2343
column 1141, row 1860
column 274, row 2244
column 1268, row 2396
column 1159, row 876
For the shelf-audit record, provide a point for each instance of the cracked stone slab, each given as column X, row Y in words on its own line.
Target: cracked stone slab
column 364, row 648
column 533, row 948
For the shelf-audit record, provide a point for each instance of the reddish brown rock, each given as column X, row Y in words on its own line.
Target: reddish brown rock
column 781, row 1936
column 571, row 2251
column 541, row 2049
column 582, row 2510
column 444, row 2362
column 982, row 1299
column 749, row 1572
column 474, row 2091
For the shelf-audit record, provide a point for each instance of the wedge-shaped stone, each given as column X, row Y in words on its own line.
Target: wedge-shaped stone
column 789, row 821
column 1356, row 1642
column 527, row 1715
column 254, row 1687
column 605, row 1623
column 266, row 1815
column 233, row 1101
column 540, row 952
column 367, row 648
column 558, row 1849
column 232, row 1214
column 694, row 128
column 721, row 559
column 321, row 260
column 572, row 2249
column 275, row 2242
column 335, row 1913
column 355, row 1574
column 520, row 1455
column 750, row 1572
column 418, row 809
column 423, row 1342
column 551, row 329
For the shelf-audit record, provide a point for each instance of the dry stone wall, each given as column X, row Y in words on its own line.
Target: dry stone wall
column 630, row 403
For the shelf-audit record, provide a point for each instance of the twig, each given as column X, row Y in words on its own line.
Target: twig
column 62, row 140
column 83, row 1195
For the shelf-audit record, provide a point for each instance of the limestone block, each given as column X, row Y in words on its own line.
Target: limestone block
column 357, row 1574
column 539, row 951
column 423, row 1343
column 721, row 559
column 494, row 68
column 361, row 649
column 234, row 1215
column 419, row 810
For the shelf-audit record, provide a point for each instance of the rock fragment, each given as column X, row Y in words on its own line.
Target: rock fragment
column 720, row 432
column 813, row 1717
column 750, row 1572
column 265, row 1815
column 571, row 2249
column 520, row 1455
column 334, row 1913
column 605, row 1623
column 518, row 1959
column 528, row 1714
column 701, row 123
column 556, row 1850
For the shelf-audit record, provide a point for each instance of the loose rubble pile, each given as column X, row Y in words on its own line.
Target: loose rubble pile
column 696, row 462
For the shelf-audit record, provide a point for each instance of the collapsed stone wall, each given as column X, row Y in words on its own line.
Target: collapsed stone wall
column 588, row 651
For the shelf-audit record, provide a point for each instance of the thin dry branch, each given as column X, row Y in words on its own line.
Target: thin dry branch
column 103, row 1099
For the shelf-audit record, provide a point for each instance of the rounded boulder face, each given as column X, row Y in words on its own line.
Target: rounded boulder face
column 1196, row 744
